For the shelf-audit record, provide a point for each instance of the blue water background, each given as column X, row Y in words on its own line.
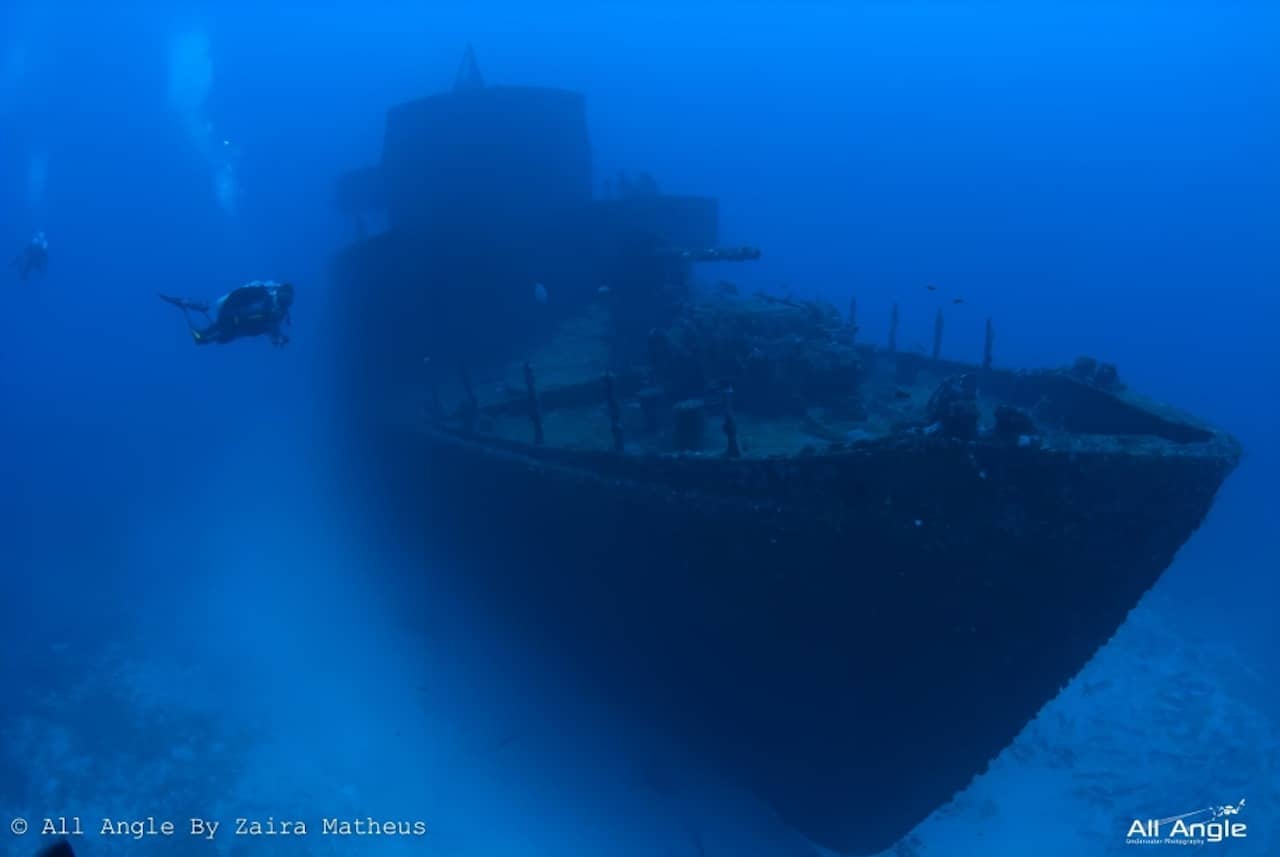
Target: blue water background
column 189, row 561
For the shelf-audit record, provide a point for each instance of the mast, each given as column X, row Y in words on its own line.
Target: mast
column 469, row 76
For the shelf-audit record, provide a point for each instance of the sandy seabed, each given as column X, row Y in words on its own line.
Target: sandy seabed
column 1159, row 724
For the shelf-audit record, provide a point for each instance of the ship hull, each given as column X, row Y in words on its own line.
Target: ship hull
column 852, row 636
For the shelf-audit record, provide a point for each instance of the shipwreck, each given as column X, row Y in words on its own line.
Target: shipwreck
column 846, row 574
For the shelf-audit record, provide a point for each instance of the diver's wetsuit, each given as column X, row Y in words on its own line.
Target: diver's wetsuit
column 33, row 258
column 256, row 309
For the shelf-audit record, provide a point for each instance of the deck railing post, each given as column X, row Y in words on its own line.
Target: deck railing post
column 730, row 427
column 689, row 421
column 650, row 402
column 535, row 411
column 615, row 413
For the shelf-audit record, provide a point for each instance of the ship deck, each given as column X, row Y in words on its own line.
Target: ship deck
column 892, row 398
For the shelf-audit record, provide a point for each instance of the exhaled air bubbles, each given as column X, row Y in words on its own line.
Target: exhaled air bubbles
column 190, row 83
column 37, row 178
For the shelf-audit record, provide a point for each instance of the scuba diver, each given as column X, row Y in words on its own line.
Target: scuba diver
column 61, row 848
column 254, row 309
column 34, row 257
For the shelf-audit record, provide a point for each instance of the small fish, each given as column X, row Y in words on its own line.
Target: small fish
column 604, row 291
column 932, row 288
column 958, row 301
column 901, row 394
column 540, row 293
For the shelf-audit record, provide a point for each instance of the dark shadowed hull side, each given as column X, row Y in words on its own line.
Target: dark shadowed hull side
column 853, row 635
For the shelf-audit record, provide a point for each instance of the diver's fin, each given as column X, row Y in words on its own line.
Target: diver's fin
column 61, row 848
column 186, row 304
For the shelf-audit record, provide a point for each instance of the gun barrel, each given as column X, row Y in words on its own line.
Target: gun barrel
column 714, row 254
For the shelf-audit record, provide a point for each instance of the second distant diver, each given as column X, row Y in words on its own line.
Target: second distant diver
column 259, row 308
column 34, row 258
